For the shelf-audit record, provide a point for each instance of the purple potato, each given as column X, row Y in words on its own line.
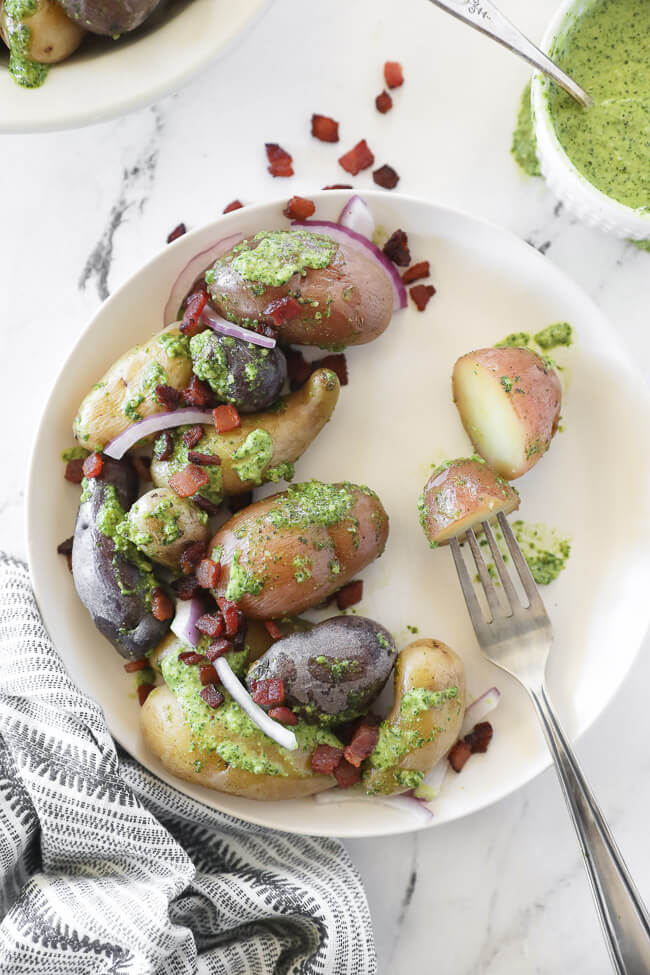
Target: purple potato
column 112, row 17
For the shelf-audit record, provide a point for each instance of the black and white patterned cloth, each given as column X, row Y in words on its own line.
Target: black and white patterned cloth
column 107, row 869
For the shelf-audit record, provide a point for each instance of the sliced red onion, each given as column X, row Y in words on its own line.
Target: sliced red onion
column 192, row 270
column 478, row 710
column 407, row 804
column 183, row 624
column 155, row 423
column 283, row 736
column 344, row 235
column 209, row 317
column 431, row 785
column 356, row 216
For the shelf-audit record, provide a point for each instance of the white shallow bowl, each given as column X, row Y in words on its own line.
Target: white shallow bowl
column 394, row 419
column 105, row 78
column 567, row 182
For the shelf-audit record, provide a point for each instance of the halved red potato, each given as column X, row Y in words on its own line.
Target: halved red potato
column 459, row 495
column 509, row 400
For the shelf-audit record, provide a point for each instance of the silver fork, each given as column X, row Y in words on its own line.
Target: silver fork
column 518, row 639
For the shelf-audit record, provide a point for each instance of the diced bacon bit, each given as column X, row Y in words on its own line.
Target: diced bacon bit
column 192, row 436
column 203, row 460
column 358, row 158
column 420, row 270
column 167, row 396
column 337, row 363
column 161, row 605
column 177, row 232
column 211, row 624
column 191, row 556
column 393, row 74
column 194, row 306
column 283, row 715
column 280, row 160
column 93, row 465
column 207, row 573
column 273, row 629
column 396, row 249
column 187, row 587
column 298, row 369
column 235, row 205
column 324, row 128
column 65, row 548
column 230, row 614
column 144, row 690
column 163, row 448
column 339, row 186
column 386, row 177
column 226, row 418
column 350, row 594
column 282, row 310
column 208, row 675
column 196, row 393
column 362, row 744
column 239, row 501
column 325, row 758
column 190, row 657
column 74, row 471
column 479, row 737
column 422, row 294
column 217, row 649
column 459, row 754
column 134, row 665
column 346, row 775
column 142, row 466
column 268, row 693
column 299, row 208
column 383, row 102
column 212, row 697
column 205, row 505
column 188, row 481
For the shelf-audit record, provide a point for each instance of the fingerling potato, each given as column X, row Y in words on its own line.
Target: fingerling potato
column 461, row 494
column 509, row 401
column 161, row 525
column 292, row 550
column 425, row 720
column 52, row 36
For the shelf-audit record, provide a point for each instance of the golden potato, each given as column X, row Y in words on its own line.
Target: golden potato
column 460, row 495
column 509, row 401
column 425, row 721
column 161, row 524
column 52, row 35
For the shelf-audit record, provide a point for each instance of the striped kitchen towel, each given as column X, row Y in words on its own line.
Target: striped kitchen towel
column 107, row 869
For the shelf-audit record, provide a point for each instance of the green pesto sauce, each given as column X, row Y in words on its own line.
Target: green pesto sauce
column 311, row 503
column 145, row 676
column 516, row 340
column 24, row 70
column 130, row 408
column 544, row 550
column 213, row 490
column 74, row 453
column 606, row 51
column 242, row 581
column 112, row 521
column 339, row 667
column 524, row 143
column 175, row 345
column 642, row 245
column 560, row 333
column 153, row 376
column 228, row 731
column 281, row 472
column 396, row 741
column 250, row 459
column 280, row 254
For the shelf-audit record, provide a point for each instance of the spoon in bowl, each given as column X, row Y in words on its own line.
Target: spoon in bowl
column 484, row 16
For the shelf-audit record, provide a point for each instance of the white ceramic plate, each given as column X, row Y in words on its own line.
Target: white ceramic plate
column 394, row 419
column 104, row 78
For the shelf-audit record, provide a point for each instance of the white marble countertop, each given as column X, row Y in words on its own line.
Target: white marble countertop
column 503, row 892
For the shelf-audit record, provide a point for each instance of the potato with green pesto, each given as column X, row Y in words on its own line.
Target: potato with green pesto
column 221, row 748
column 425, row 720
column 37, row 32
column 509, row 401
column 161, row 525
column 264, row 447
column 459, row 495
column 333, row 672
column 290, row 551
column 249, row 377
column 127, row 392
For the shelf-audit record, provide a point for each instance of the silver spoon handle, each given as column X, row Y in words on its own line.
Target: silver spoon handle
column 623, row 916
column 484, row 16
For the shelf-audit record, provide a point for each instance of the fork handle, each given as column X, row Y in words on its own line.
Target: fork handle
column 623, row 916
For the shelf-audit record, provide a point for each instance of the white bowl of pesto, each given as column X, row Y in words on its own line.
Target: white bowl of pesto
column 597, row 160
column 393, row 421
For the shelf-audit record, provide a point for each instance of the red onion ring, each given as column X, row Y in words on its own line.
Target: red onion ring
column 214, row 321
column 356, row 216
column 478, row 710
column 183, row 624
column 283, row 736
column 155, row 423
column 344, row 235
column 192, row 270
